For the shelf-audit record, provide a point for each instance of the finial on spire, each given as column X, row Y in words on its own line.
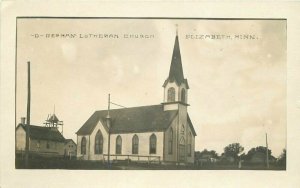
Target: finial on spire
column 176, row 29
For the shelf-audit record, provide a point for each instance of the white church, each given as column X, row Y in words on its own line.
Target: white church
column 162, row 132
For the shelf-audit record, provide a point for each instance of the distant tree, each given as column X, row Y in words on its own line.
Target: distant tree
column 259, row 149
column 233, row 150
column 282, row 158
column 206, row 153
column 211, row 153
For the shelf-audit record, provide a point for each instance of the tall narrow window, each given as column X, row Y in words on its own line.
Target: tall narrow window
column 170, row 145
column 171, row 94
column 99, row 143
column 135, row 144
column 83, row 145
column 152, row 144
column 118, row 145
column 183, row 95
column 189, row 152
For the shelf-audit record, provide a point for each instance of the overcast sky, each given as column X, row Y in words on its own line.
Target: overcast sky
column 237, row 86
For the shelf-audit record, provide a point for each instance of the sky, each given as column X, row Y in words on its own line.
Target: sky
column 237, row 85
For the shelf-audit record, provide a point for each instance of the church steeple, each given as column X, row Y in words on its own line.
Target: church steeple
column 176, row 71
column 175, row 86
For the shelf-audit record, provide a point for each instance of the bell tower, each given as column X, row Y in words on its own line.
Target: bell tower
column 175, row 86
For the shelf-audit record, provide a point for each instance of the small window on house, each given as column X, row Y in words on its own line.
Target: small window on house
column 99, row 143
column 171, row 94
column 170, row 145
column 135, row 144
column 83, row 145
column 118, row 145
column 48, row 145
column 152, row 144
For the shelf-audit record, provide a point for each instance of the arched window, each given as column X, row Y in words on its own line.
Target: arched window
column 83, row 145
column 135, row 144
column 170, row 145
column 99, row 143
column 118, row 145
column 152, row 144
column 183, row 95
column 171, row 94
column 189, row 152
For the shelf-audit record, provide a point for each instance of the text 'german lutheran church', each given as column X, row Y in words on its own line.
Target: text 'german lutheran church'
column 162, row 133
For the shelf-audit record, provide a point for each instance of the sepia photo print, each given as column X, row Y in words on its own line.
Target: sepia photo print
column 162, row 93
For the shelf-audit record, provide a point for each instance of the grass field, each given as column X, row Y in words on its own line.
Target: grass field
column 59, row 163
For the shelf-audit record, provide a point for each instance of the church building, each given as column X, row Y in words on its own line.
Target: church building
column 162, row 132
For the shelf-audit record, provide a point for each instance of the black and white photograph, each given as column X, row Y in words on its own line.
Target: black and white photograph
column 149, row 94
column 117, row 93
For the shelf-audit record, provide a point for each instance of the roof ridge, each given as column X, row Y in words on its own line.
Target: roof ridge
column 130, row 107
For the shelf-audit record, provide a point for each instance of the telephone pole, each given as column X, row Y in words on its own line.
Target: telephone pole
column 267, row 151
column 28, row 118
column 109, row 127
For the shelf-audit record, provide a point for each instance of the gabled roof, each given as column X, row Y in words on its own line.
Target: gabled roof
column 131, row 120
column 43, row 133
column 176, row 71
column 69, row 140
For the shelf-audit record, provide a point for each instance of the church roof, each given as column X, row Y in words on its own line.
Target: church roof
column 132, row 120
column 43, row 133
column 176, row 71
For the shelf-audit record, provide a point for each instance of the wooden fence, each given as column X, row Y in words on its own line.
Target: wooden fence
column 138, row 158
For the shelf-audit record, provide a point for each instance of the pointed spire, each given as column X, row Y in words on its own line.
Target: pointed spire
column 176, row 71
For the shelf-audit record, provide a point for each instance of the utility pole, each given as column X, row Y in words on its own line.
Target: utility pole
column 267, row 151
column 109, row 127
column 28, row 119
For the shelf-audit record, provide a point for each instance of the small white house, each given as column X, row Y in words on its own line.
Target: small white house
column 42, row 140
column 161, row 132
column 70, row 148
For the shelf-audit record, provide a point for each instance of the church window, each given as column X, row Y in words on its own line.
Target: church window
column 183, row 95
column 119, row 145
column 99, row 143
column 171, row 94
column 170, row 145
column 189, row 152
column 83, row 145
column 152, row 144
column 135, row 144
